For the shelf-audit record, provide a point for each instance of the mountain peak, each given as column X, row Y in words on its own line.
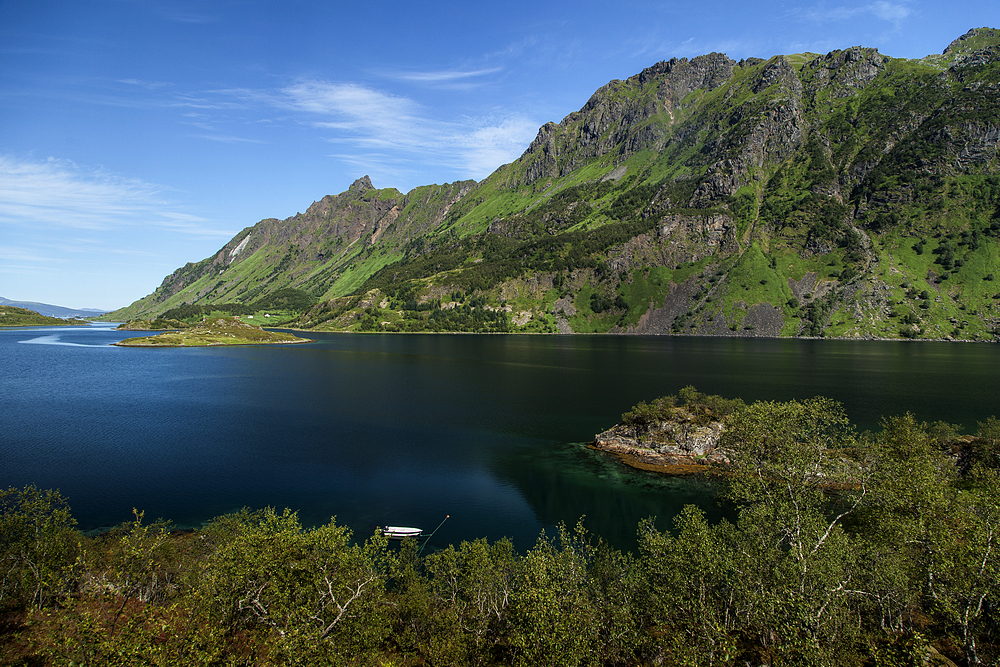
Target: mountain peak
column 363, row 184
column 974, row 40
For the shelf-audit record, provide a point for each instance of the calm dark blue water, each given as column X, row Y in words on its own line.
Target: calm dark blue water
column 404, row 429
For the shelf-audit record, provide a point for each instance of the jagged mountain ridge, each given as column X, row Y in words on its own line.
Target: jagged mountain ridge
column 311, row 250
column 757, row 197
column 49, row 310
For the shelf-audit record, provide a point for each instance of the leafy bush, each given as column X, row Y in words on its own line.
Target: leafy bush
column 703, row 407
column 841, row 546
column 287, row 298
column 38, row 546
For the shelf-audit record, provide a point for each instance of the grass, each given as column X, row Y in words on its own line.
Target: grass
column 12, row 316
column 216, row 331
column 754, row 280
column 356, row 274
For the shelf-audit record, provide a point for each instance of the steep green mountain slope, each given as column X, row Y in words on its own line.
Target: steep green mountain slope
column 846, row 194
column 329, row 250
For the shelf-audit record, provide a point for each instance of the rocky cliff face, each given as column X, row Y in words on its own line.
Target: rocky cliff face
column 667, row 437
column 622, row 117
column 666, row 443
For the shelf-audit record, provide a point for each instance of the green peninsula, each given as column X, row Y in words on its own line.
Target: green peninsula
column 157, row 324
column 12, row 316
column 214, row 331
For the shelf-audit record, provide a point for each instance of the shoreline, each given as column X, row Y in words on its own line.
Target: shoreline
column 122, row 343
column 646, row 335
column 652, row 461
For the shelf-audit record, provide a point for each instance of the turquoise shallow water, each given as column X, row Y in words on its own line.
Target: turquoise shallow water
column 404, row 429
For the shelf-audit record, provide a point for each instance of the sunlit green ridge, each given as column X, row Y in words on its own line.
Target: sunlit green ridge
column 800, row 195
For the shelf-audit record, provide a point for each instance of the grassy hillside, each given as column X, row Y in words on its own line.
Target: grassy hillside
column 846, row 194
column 12, row 316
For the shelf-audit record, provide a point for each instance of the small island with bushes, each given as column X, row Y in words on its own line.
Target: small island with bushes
column 213, row 332
column 677, row 435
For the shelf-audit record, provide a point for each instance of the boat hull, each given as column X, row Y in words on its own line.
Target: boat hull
column 401, row 532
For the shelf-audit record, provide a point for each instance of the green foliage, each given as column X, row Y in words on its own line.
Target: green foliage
column 470, row 590
column 12, row 316
column 189, row 312
column 965, row 569
column 845, row 550
column 690, row 405
column 691, row 586
column 718, row 407
column 646, row 414
column 786, row 455
column 630, row 203
column 743, row 206
column 552, row 619
column 754, row 279
column 80, row 633
column 132, row 566
column 472, row 316
column 287, row 298
column 546, row 239
column 929, row 545
column 214, row 331
column 817, row 313
column 158, row 324
column 39, row 545
column 321, row 595
column 985, row 449
column 599, row 303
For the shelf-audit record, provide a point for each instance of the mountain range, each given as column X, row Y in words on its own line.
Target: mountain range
column 52, row 311
column 849, row 194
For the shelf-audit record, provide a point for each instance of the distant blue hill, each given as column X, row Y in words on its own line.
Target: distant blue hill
column 53, row 311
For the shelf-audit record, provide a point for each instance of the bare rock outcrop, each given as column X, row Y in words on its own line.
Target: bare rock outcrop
column 681, row 440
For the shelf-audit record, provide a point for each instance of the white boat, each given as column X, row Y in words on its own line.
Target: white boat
column 400, row 532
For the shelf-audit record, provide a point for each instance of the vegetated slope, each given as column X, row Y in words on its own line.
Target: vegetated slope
column 326, row 251
column 12, row 316
column 846, row 194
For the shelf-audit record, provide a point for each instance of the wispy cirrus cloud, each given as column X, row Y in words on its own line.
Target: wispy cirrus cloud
column 147, row 85
column 379, row 121
column 444, row 75
column 892, row 12
column 23, row 257
column 176, row 12
column 69, row 233
column 228, row 139
column 60, row 194
column 496, row 141
column 656, row 47
column 359, row 117
column 448, row 79
column 382, row 117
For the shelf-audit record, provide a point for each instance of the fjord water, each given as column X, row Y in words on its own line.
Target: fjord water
column 404, row 429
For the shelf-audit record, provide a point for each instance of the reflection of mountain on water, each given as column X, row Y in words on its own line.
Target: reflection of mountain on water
column 561, row 482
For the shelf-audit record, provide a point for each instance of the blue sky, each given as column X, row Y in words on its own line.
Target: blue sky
column 136, row 136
